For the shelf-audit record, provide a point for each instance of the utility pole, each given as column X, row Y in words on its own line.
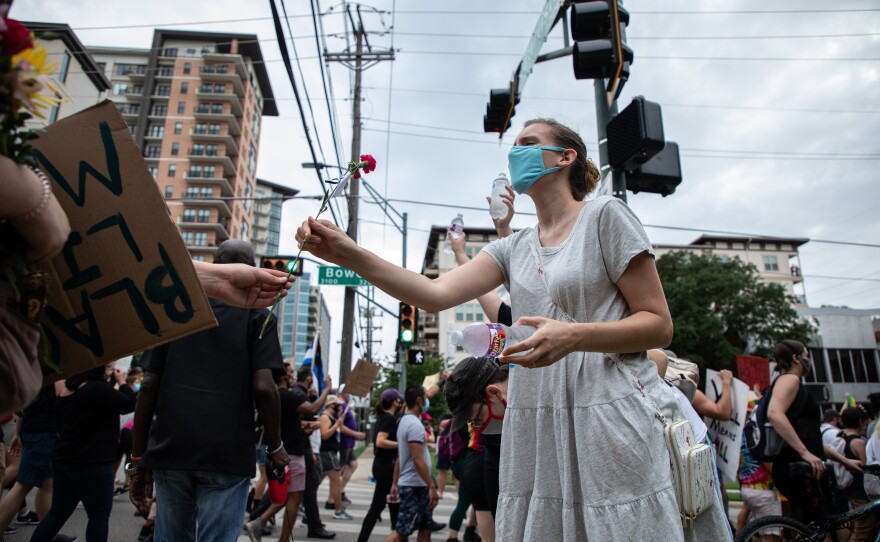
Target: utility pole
column 358, row 61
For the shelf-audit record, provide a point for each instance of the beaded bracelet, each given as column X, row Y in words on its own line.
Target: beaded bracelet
column 44, row 199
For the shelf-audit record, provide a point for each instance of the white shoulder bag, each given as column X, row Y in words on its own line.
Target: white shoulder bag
column 690, row 461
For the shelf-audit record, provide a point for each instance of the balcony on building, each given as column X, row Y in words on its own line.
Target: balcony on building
column 162, row 92
column 234, row 61
column 198, row 223
column 223, row 73
column 206, row 113
column 212, row 180
column 205, row 156
column 193, row 200
column 202, row 249
column 215, row 135
column 164, row 73
column 219, row 92
column 430, row 323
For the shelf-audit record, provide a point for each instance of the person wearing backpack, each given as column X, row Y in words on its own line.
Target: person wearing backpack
column 855, row 423
column 795, row 416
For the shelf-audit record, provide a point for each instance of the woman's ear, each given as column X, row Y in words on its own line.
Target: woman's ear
column 567, row 157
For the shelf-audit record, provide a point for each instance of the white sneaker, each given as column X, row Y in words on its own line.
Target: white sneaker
column 342, row 514
column 254, row 530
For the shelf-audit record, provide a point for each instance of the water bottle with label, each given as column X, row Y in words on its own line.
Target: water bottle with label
column 456, row 228
column 489, row 340
column 498, row 209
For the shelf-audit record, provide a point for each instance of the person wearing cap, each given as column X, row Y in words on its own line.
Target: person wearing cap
column 331, row 425
column 194, row 423
column 384, row 457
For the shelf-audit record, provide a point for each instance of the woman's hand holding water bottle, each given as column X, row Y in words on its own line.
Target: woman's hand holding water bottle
column 551, row 341
column 502, row 225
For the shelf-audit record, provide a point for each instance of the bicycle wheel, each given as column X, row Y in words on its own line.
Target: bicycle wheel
column 787, row 528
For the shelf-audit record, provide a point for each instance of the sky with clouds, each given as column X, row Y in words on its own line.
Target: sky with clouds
column 777, row 114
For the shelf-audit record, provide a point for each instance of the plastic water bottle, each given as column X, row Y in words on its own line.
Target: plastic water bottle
column 489, row 340
column 498, row 209
column 456, row 228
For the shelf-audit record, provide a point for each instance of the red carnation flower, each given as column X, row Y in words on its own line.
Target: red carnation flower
column 15, row 39
column 371, row 163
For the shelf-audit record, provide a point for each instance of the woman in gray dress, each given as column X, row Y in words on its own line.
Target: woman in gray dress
column 583, row 454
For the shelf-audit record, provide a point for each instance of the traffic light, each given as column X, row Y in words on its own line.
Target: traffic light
column 635, row 135
column 408, row 323
column 659, row 175
column 283, row 263
column 499, row 110
column 600, row 50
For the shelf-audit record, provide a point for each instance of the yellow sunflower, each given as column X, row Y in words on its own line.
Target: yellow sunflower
column 31, row 76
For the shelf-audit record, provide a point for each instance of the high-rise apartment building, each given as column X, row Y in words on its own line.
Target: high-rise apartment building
column 194, row 102
column 302, row 314
column 266, row 227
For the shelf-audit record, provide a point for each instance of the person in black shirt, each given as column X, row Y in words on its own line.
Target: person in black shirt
column 304, row 385
column 202, row 389
column 89, row 409
column 384, row 457
column 294, row 403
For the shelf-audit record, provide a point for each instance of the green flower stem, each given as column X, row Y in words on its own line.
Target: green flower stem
column 290, row 271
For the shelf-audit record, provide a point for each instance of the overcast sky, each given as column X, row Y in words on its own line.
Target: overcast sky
column 785, row 144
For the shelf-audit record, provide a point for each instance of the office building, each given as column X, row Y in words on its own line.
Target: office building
column 266, row 230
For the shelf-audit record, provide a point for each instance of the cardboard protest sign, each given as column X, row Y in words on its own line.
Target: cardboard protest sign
column 124, row 281
column 727, row 435
column 430, row 380
column 361, row 378
column 753, row 371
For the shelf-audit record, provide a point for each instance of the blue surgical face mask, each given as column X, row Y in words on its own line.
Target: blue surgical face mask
column 526, row 164
column 137, row 387
column 427, row 404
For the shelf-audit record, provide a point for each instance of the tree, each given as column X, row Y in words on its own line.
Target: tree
column 415, row 375
column 721, row 309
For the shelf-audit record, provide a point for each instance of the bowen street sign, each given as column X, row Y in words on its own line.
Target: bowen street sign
column 339, row 276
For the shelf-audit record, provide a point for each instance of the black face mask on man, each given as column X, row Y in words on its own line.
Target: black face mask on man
column 807, row 363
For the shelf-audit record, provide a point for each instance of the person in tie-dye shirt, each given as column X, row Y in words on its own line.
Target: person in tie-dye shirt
column 756, row 483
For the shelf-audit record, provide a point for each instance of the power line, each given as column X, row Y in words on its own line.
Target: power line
column 494, row 13
column 331, row 106
column 689, row 149
column 656, row 226
column 282, row 45
column 306, row 91
column 665, row 104
column 652, row 57
column 646, row 38
column 733, row 154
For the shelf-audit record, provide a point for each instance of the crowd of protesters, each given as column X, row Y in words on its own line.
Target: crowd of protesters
column 558, row 439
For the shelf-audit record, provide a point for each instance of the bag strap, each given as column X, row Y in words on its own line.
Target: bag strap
column 613, row 357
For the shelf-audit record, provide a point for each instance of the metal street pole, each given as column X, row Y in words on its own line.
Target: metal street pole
column 604, row 113
column 401, row 355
